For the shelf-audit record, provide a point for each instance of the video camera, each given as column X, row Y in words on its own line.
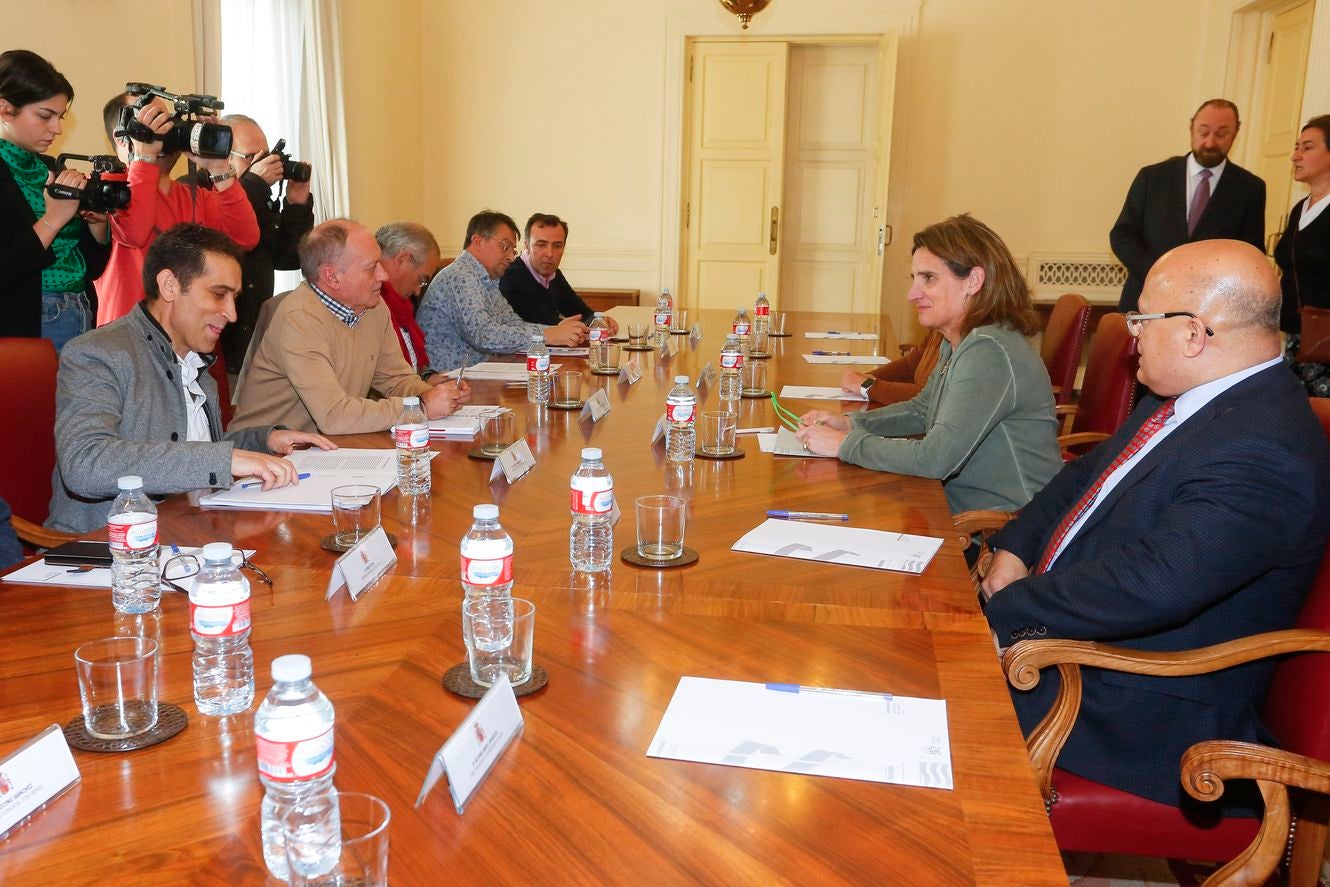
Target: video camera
column 107, row 189
column 292, row 170
column 189, row 132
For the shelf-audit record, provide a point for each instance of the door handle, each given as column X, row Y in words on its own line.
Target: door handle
column 775, row 227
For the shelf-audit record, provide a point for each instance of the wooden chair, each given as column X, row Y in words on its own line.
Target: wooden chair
column 1064, row 336
column 1108, row 391
column 1092, row 817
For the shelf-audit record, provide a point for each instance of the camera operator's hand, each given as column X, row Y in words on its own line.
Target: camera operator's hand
column 59, row 210
column 570, row 332
column 157, row 118
column 297, row 192
column 97, row 224
column 268, row 168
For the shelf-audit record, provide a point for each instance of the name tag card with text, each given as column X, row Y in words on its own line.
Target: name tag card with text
column 596, row 406
column 38, row 773
column 363, row 565
column 659, row 434
column 514, row 462
column 696, row 335
column 706, row 377
column 480, row 740
column 630, row 372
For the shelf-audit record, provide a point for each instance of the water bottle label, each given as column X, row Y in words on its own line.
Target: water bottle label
column 409, row 436
column 591, row 501
column 597, row 335
column 219, row 622
column 482, row 571
column 679, row 412
column 731, row 360
column 740, row 328
column 762, row 310
column 662, row 318
column 128, row 533
column 537, row 363
column 295, row 761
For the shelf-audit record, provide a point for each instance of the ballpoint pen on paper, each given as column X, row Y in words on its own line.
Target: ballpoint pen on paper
column 251, row 484
column 808, row 515
column 833, row 353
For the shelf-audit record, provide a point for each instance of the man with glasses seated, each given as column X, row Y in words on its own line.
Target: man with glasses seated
column 135, row 396
column 1202, row 520
column 464, row 315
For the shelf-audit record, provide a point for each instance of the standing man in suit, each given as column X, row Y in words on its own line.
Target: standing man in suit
column 1202, row 520
column 535, row 286
column 1184, row 199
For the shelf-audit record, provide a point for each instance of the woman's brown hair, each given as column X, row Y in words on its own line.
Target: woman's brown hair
column 962, row 243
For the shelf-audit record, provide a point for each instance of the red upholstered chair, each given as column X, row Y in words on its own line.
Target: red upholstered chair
column 218, row 373
column 1088, row 816
column 1108, row 391
column 1064, row 336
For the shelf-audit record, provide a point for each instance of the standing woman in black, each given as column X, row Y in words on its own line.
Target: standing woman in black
column 48, row 253
column 1303, row 251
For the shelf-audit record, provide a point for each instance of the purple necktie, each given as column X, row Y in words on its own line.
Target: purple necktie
column 1198, row 201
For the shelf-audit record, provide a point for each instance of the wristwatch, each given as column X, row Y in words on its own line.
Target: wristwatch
column 222, row 177
column 867, row 385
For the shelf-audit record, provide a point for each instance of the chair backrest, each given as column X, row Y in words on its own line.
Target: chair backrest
column 27, row 434
column 218, row 373
column 1064, row 337
column 1108, row 390
column 1295, row 708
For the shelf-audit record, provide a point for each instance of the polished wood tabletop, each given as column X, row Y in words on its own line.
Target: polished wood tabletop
column 575, row 799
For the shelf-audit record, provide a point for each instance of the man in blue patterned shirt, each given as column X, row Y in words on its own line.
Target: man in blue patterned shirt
column 464, row 315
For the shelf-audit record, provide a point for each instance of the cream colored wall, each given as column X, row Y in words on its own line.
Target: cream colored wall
column 100, row 45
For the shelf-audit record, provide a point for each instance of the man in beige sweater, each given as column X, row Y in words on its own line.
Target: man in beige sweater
column 331, row 342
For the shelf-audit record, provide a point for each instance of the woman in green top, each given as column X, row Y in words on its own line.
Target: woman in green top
column 48, row 253
column 984, row 422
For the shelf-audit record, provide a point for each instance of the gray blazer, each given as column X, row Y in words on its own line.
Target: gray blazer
column 987, row 420
column 120, row 409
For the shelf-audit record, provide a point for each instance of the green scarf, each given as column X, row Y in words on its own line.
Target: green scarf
column 68, row 273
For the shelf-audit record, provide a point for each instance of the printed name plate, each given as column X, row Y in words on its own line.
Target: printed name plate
column 630, row 372
column 596, row 406
column 362, row 565
column 514, row 462
column 467, row 756
column 38, row 773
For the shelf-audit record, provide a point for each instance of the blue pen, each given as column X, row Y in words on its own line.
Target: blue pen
column 836, row 353
column 808, row 515
column 251, row 484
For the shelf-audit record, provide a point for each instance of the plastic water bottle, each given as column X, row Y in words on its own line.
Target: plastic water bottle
column 761, row 316
column 591, row 500
column 731, row 366
column 487, row 556
column 598, row 343
column 741, row 329
column 293, row 735
column 680, row 412
column 538, row 370
column 412, row 436
column 132, row 529
column 664, row 318
column 219, row 624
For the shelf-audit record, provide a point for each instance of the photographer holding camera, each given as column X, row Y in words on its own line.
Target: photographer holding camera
column 48, row 253
column 281, row 225
column 150, row 129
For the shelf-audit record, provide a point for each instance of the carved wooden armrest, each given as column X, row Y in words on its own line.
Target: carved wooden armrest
column 1068, row 413
column 1025, row 659
column 38, row 536
column 981, row 521
column 1081, row 437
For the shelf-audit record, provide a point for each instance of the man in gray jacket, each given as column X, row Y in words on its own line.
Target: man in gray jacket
column 135, row 396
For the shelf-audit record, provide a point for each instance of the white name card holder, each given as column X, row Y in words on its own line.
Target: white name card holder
column 514, row 462
column 631, row 371
column 659, row 433
column 34, row 776
column 469, row 754
column 596, row 406
column 706, row 377
column 696, row 335
column 362, row 565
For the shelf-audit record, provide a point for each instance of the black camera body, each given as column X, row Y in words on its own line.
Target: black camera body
column 292, row 170
column 189, row 132
column 107, row 189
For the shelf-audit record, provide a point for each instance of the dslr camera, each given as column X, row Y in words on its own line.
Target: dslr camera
column 107, row 189
column 190, row 132
column 292, row 170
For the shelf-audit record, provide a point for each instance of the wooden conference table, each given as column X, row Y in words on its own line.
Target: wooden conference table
column 575, row 799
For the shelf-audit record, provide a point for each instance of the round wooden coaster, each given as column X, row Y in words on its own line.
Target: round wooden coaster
column 619, row 339
column 330, row 543
column 759, row 355
column 753, row 395
column 571, row 406
column 779, row 335
column 630, row 556
column 171, row 719
column 639, row 348
column 606, row 372
column 737, row 454
column 679, row 332
column 481, row 455
column 458, row 680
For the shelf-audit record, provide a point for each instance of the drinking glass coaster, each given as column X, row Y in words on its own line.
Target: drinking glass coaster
column 607, row 372
column 330, row 543
column 639, row 348
column 458, row 680
column 619, row 339
column 171, row 719
column 759, row 355
column 630, row 556
column 482, row 455
column 779, row 335
column 679, row 332
column 569, row 406
column 750, row 394
column 736, row 454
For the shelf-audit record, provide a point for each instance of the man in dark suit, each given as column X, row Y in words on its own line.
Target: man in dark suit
column 535, row 286
column 1200, row 196
column 1211, row 515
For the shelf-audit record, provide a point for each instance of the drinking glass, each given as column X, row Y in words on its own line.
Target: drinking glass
column 718, row 427
column 760, row 342
column 566, row 389
column 336, row 840
column 499, row 633
column 637, row 334
column 355, row 512
column 753, row 378
column 118, row 686
column 496, row 431
column 660, row 527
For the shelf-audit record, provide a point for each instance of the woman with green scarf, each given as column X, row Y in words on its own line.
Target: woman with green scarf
column 48, row 252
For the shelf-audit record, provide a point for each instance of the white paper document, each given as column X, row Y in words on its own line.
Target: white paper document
column 852, row 546
column 830, row 334
column 41, row 573
column 327, row 469
column 784, row 443
column 463, row 424
column 497, row 372
column 851, row 359
column 818, row 731
column 562, row 351
column 815, row 392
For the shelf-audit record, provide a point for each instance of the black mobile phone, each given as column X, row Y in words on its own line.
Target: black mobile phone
column 78, row 554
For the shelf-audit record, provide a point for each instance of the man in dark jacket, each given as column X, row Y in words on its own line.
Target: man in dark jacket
column 535, row 286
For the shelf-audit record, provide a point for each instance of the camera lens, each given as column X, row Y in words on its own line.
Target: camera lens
column 296, row 171
column 209, row 139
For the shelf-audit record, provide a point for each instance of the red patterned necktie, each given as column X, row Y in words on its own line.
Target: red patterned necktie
column 1148, row 429
column 1199, row 199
